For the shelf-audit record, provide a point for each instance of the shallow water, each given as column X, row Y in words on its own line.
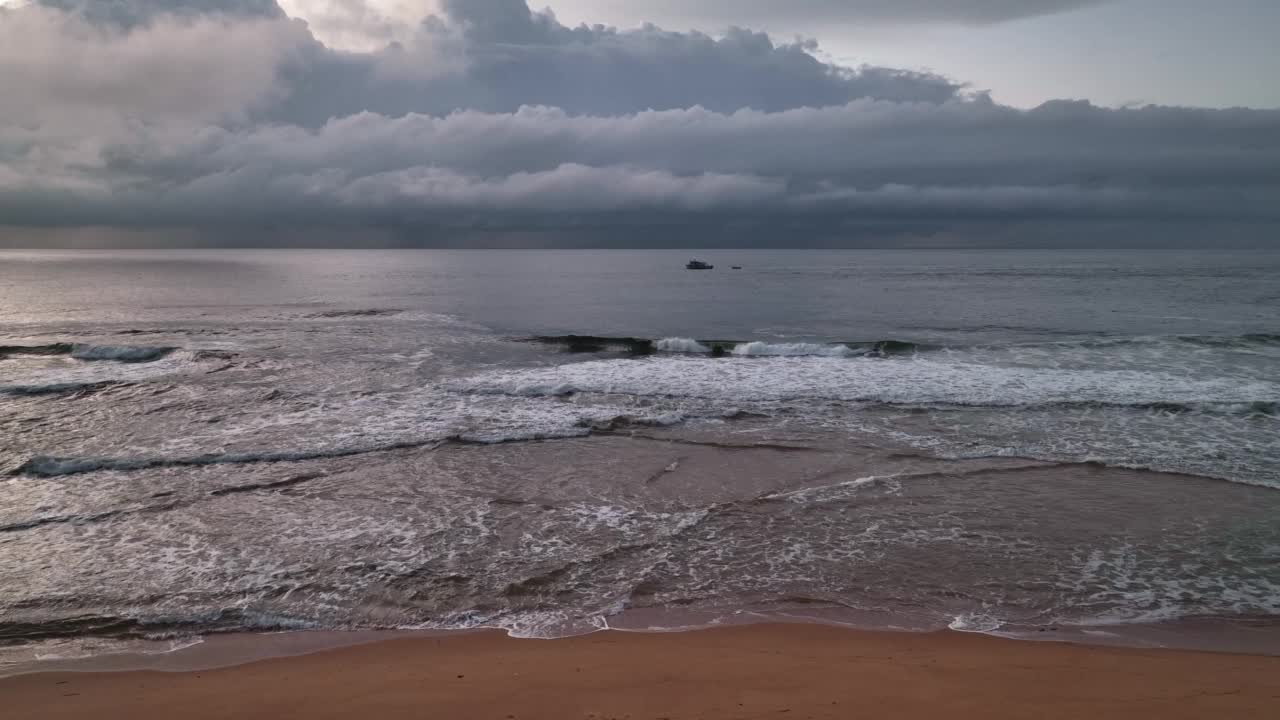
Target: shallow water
column 550, row 442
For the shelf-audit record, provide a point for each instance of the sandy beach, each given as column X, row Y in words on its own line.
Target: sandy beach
column 761, row 671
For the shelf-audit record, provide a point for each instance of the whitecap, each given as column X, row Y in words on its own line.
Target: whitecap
column 681, row 345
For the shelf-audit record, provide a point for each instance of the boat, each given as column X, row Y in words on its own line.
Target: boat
column 698, row 265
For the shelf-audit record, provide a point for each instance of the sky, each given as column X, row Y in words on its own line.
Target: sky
column 639, row 123
column 1218, row 53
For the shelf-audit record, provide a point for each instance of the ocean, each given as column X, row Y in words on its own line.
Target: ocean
column 1064, row 444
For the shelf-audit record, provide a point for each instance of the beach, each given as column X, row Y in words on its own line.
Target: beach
column 754, row 671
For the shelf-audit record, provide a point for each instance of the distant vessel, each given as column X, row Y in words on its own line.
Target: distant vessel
column 698, row 265
column 737, row 267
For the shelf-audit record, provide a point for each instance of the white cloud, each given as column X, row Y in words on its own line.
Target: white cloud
column 361, row 25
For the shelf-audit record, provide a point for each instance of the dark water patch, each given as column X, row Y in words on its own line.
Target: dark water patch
column 140, row 628
column 71, row 389
column 58, row 520
column 1243, row 341
column 119, row 353
column 367, row 312
column 272, row 486
column 595, row 343
column 88, row 352
column 776, row 447
column 887, row 348
column 513, row 502
column 869, row 348
column 48, row 466
column 623, row 422
column 1231, row 340
column 40, row 350
column 722, row 348
column 208, row 355
column 92, row 518
column 53, row 466
column 1256, row 408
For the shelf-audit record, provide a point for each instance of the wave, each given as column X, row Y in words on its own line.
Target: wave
column 763, row 349
column 50, row 349
column 873, row 348
column 596, row 343
column 81, row 369
column 55, row 466
column 142, row 627
column 681, row 345
column 87, row 352
column 1245, row 340
column 726, row 348
column 120, row 353
column 362, row 313
column 923, row 382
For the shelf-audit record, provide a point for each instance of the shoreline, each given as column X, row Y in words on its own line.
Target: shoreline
column 1249, row 636
column 756, row 670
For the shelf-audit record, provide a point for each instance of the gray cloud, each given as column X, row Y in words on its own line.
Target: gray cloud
column 130, row 13
column 964, row 158
column 815, row 12
column 60, row 72
column 491, row 55
column 491, row 115
column 496, row 56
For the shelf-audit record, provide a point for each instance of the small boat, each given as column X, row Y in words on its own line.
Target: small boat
column 698, row 265
column 737, row 267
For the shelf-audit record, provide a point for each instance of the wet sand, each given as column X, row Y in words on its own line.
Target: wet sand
column 758, row 671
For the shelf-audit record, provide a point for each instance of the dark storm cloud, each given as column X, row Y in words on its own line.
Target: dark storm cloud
column 493, row 116
column 496, row 56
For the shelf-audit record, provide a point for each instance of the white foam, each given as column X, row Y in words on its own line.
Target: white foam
column 681, row 345
column 906, row 381
column 975, row 622
column 52, row 374
column 823, row 493
column 1203, row 423
column 763, row 349
column 351, row 424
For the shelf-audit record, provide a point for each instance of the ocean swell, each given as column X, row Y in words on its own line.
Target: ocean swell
column 119, row 353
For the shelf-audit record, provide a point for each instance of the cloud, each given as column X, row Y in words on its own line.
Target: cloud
column 490, row 114
column 491, row 55
column 59, row 69
column 497, row 55
column 869, row 158
column 131, row 13
column 846, row 12
column 359, row 25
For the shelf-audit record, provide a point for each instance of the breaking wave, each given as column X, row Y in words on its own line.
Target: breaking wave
column 762, row 349
column 879, row 348
column 723, row 348
column 80, row 369
column 681, row 345
column 83, row 351
column 907, row 382
column 119, row 353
